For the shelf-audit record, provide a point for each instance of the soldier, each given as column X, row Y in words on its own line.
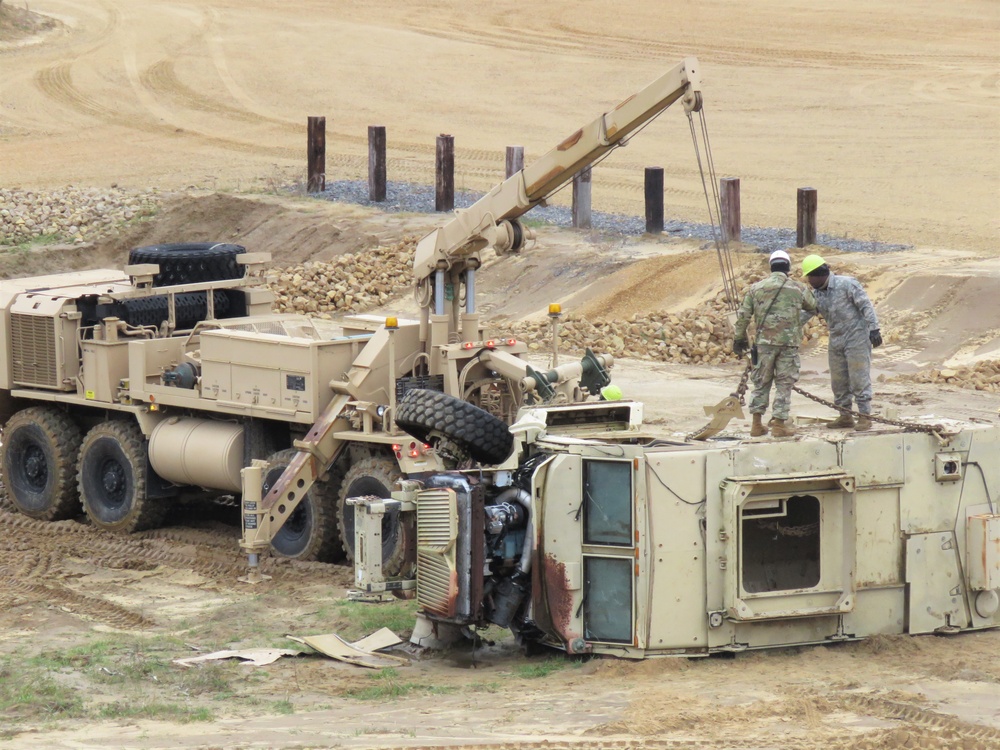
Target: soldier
column 776, row 305
column 854, row 331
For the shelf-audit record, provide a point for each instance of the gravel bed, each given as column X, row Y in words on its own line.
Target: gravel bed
column 414, row 198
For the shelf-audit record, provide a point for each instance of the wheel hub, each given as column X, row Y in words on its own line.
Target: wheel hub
column 35, row 467
column 113, row 479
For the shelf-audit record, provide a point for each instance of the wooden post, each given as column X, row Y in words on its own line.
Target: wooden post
column 805, row 225
column 654, row 200
column 316, row 155
column 376, row 163
column 444, row 172
column 515, row 160
column 581, row 199
column 729, row 196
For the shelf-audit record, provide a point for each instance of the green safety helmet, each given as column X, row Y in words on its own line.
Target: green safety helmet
column 810, row 263
column 611, row 393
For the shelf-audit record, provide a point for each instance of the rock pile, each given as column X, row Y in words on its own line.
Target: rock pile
column 349, row 283
column 699, row 335
column 982, row 376
column 69, row 214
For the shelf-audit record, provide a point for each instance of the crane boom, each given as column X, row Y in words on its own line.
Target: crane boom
column 491, row 221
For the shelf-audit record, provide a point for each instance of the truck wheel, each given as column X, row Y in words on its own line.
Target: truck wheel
column 112, row 471
column 190, row 262
column 373, row 476
column 310, row 532
column 38, row 460
column 486, row 438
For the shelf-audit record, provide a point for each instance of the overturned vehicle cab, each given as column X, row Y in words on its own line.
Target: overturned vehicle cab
column 591, row 537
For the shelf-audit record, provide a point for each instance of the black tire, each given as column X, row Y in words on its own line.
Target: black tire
column 112, row 472
column 310, row 532
column 191, row 262
column 485, row 437
column 373, row 476
column 38, row 459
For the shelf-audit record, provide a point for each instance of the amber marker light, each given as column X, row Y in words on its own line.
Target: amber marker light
column 555, row 309
column 391, row 323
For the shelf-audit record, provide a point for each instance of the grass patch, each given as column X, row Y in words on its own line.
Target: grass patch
column 31, row 694
column 126, row 678
column 388, row 686
column 42, row 239
column 363, row 618
column 283, row 707
column 153, row 710
column 543, row 668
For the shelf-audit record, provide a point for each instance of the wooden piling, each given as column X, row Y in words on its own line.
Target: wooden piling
column 581, row 199
column 731, row 220
column 654, row 200
column 316, row 154
column 376, row 163
column 515, row 160
column 444, row 174
column 805, row 225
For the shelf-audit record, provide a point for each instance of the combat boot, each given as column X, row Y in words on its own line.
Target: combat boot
column 782, row 428
column 845, row 420
column 864, row 423
column 757, row 428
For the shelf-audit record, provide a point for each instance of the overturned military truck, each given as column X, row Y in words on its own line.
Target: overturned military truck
column 636, row 547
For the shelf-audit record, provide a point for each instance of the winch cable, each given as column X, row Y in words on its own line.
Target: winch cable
column 714, row 205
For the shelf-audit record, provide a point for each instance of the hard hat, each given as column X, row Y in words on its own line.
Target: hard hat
column 611, row 393
column 810, row 263
column 780, row 255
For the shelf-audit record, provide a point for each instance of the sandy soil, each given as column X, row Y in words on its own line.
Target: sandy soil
column 892, row 119
column 891, row 112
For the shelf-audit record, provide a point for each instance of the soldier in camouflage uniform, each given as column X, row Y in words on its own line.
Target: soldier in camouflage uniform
column 776, row 305
column 854, row 331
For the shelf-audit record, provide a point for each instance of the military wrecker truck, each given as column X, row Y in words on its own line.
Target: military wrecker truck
column 127, row 390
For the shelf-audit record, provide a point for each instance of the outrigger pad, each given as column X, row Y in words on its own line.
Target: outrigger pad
column 721, row 414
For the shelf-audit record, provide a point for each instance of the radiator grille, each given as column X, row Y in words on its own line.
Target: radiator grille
column 33, row 345
column 437, row 531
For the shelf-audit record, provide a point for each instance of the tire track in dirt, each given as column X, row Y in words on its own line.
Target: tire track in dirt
column 77, row 604
column 214, row 555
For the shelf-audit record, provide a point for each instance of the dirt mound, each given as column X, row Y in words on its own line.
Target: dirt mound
column 17, row 24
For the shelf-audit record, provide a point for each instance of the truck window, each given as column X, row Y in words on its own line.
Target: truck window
column 607, row 502
column 607, row 599
column 781, row 545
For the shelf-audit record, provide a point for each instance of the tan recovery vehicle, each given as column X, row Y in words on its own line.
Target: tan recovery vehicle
column 126, row 390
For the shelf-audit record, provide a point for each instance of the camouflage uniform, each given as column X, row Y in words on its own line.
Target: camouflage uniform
column 778, row 338
column 849, row 315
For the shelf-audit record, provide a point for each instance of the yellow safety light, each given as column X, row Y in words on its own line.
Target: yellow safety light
column 391, row 323
column 555, row 309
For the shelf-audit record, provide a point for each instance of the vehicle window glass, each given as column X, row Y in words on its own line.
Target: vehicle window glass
column 607, row 599
column 607, row 497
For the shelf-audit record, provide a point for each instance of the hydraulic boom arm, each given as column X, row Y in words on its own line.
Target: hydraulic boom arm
column 491, row 221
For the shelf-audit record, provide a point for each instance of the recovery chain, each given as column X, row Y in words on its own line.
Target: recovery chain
column 936, row 430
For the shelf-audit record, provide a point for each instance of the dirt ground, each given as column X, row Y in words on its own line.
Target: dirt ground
column 892, row 119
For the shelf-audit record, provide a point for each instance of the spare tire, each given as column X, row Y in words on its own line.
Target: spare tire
column 482, row 435
column 191, row 262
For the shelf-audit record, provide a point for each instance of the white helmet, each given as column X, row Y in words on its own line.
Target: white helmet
column 780, row 255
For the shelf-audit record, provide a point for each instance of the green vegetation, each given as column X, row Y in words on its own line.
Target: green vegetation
column 67, row 683
column 357, row 619
column 388, row 686
column 544, row 667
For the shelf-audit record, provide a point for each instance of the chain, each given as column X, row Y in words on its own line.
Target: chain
column 739, row 393
column 808, row 529
column 935, row 429
column 741, row 389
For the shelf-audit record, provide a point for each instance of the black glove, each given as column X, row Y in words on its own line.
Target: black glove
column 876, row 338
column 740, row 347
